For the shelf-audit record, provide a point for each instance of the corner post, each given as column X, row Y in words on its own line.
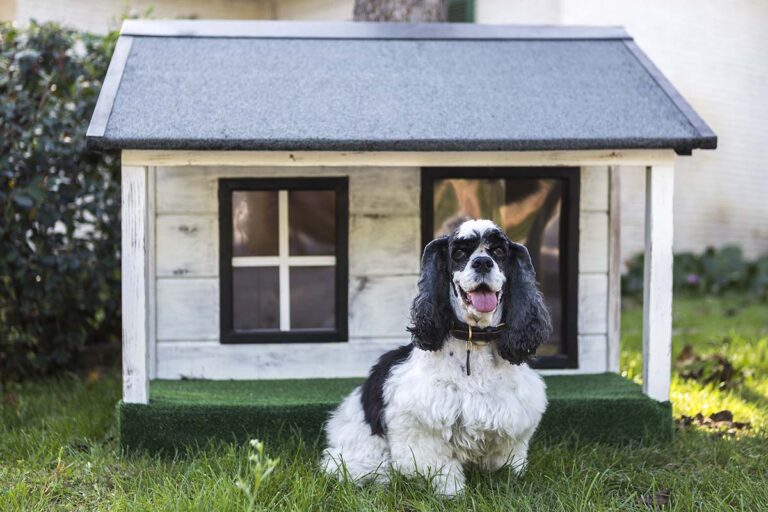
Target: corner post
column 135, row 284
column 657, row 290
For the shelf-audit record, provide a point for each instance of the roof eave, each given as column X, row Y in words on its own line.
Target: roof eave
column 682, row 146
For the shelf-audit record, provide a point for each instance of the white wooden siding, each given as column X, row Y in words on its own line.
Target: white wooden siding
column 380, row 305
column 187, row 308
column 593, row 249
column 210, row 360
column 384, row 256
column 373, row 255
column 593, row 271
column 593, row 304
column 185, row 245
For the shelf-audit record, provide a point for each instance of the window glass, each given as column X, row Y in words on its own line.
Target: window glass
column 255, row 297
column 313, row 303
column 312, row 222
column 529, row 211
column 283, row 261
column 254, row 223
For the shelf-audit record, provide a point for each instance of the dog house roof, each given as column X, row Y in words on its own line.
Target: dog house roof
column 235, row 85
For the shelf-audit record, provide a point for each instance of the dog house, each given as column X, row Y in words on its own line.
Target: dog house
column 280, row 179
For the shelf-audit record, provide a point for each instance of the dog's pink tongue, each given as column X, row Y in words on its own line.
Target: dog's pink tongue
column 484, row 301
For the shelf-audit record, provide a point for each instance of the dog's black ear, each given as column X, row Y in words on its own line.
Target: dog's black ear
column 527, row 322
column 431, row 311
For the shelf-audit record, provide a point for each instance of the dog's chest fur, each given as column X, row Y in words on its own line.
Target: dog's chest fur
column 431, row 390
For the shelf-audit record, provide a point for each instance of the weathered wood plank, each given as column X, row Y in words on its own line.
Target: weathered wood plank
column 657, row 291
column 593, row 304
column 195, row 189
column 382, row 191
column 384, row 245
column 593, row 242
column 187, row 245
column 187, row 309
column 594, row 188
column 380, row 306
column 614, row 270
column 593, row 353
column 135, row 284
column 279, row 361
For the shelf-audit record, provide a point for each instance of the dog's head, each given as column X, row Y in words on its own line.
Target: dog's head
column 480, row 277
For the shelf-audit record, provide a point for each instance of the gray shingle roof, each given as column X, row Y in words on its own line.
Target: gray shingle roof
column 383, row 87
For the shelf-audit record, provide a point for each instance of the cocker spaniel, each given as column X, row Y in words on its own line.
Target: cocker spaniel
column 461, row 393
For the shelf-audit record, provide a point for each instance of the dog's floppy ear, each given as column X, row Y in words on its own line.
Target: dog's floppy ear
column 431, row 311
column 526, row 317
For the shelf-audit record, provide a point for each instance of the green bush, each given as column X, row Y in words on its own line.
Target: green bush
column 59, row 204
column 713, row 272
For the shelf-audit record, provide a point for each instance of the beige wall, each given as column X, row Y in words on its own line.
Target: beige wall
column 314, row 10
column 7, row 10
column 100, row 16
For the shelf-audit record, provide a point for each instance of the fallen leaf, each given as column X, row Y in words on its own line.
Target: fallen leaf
column 720, row 422
column 686, row 356
column 724, row 415
column 711, row 369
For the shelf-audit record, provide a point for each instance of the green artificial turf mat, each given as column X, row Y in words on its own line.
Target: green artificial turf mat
column 604, row 408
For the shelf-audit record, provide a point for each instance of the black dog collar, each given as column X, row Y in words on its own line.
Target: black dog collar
column 474, row 335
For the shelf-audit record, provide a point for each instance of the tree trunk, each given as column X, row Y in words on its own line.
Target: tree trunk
column 401, row 10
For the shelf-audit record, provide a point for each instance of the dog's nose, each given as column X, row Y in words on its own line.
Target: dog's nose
column 482, row 264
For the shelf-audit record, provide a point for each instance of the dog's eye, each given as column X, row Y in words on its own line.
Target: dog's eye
column 458, row 254
column 498, row 251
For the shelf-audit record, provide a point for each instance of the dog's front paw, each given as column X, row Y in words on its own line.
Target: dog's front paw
column 516, row 463
column 449, row 484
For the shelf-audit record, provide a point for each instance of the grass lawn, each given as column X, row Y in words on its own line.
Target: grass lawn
column 58, row 449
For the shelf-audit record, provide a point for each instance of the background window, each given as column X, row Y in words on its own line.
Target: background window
column 535, row 207
column 283, row 260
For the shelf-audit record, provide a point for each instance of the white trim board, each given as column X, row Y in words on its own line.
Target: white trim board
column 396, row 159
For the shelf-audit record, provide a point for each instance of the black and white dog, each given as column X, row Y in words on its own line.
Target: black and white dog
column 462, row 392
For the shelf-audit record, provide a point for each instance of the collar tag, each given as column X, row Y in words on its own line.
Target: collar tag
column 469, row 347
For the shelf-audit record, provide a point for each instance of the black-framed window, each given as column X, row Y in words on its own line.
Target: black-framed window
column 283, row 260
column 538, row 207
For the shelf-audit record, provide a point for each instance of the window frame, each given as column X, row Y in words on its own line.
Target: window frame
column 227, row 332
column 569, row 239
